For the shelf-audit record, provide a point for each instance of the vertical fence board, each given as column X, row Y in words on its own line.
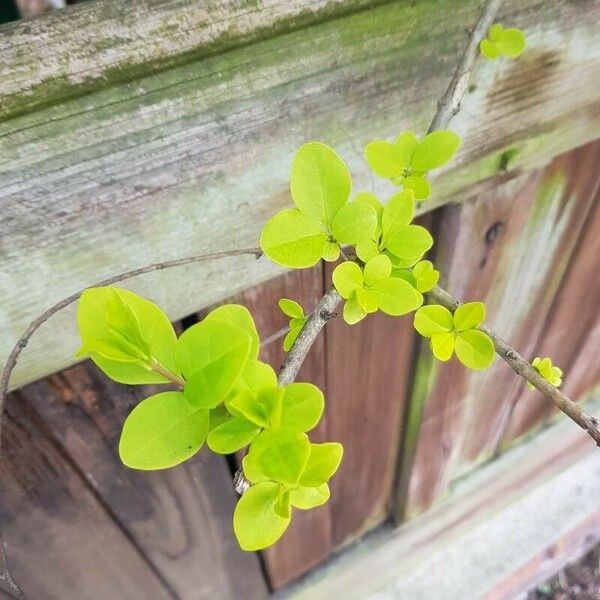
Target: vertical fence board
column 180, row 518
column 508, row 248
column 62, row 544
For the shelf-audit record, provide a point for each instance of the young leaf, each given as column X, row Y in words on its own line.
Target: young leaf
column 474, row 349
column 283, row 506
column 489, row 49
column 255, row 521
column 256, row 375
column 347, row 277
column 495, row 32
column 231, row 436
column 433, row 318
column 262, row 407
column 366, row 300
column 406, row 143
column 354, row 222
column 409, row 241
column 366, row 250
column 162, row 431
column 323, row 462
column 291, row 308
column 395, row 296
column 302, row 406
column 397, row 213
column 320, row 182
column 406, row 275
column 436, row 148
column 306, row 498
column 442, row 344
column 332, row 252
column 353, row 312
column 378, row 268
column 155, row 327
column 280, row 454
column 469, row 316
column 426, row 277
column 236, row 315
column 290, row 338
column 511, row 42
column 292, row 239
column 385, row 159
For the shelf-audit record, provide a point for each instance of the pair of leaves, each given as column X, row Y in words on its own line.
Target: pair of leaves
column 372, row 288
column 320, row 185
column 287, row 471
column 547, row 370
column 503, row 42
column 407, row 160
column 423, row 277
column 298, row 406
column 456, row 333
column 293, row 310
column 403, row 242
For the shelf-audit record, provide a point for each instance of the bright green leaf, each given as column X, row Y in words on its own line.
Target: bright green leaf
column 469, row 316
column 323, row 462
column 366, row 250
column 302, row 406
column 474, row 349
column 291, row 308
column 353, row 312
column 255, row 522
column 347, row 277
column 511, row 42
column 406, row 275
column 331, row 252
column 262, row 407
column 495, row 32
column 306, row 498
column 354, row 222
column 280, row 454
column 418, row 185
column 395, row 296
column 406, row 143
column 231, row 436
column 236, row 315
column 397, row 213
column 488, row 49
column 218, row 416
column 436, row 148
column 283, row 506
column 409, row 241
column 290, row 338
column 292, row 239
column 378, row 268
column 433, row 318
column 385, row 159
column 366, row 300
column 442, row 344
column 256, row 375
column 162, row 431
column 426, row 277
column 320, row 182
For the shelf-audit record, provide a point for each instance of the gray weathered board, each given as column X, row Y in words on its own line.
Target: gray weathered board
column 122, row 144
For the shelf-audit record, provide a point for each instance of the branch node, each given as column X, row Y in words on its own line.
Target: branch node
column 240, row 483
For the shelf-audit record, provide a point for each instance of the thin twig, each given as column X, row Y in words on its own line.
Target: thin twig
column 6, row 580
column 522, row 368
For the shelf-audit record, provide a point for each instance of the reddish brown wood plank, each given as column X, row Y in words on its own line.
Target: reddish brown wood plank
column 62, row 543
column 571, row 334
column 180, row 518
column 508, row 248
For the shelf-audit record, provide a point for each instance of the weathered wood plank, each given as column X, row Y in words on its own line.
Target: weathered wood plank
column 510, row 249
column 197, row 156
column 62, row 543
column 180, row 518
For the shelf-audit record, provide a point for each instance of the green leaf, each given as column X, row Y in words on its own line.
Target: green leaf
column 162, row 431
column 378, row 268
column 511, row 42
column 255, row 521
column 218, row 416
column 323, row 462
column 426, row 277
column 442, row 344
column 236, row 315
column 474, row 349
column 469, row 316
column 291, row 308
column 283, row 506
column 256, row 375
column 302, row 406
column 366, row 250
column 433, row 318
column 406, row 275
column 418, row 185
column 306, row 498
column 354, row 222
column 262, row 407
column 292, row 239
column 436, row 148
column 495, row 32
column 347, row 278
column 290, row 338
column 409, row 241
column 332, row 252
column 395, row 296
column 231, row 436
column 406, row 143
column 366, row 300
column 251, row 472
column 385, row 159
column 320, row 182
column 489, row 49
column 397, row 213
column 123, row 324
column 280, row 454
column 155, row 327
column 353, row 312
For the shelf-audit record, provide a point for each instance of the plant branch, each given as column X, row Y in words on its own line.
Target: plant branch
column 522, row 368
column 6, row 580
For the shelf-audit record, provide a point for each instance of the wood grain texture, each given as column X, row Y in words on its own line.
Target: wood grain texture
column 179, row 519
column 509, row 248
column 62, row 543
column 196, row 157
column 308, row 540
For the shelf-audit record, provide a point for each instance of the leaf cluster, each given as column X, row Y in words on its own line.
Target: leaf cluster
column 547, row 370
column 292, row 309
column 509, row 42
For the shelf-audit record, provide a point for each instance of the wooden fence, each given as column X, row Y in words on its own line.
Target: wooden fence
column 140, row 133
